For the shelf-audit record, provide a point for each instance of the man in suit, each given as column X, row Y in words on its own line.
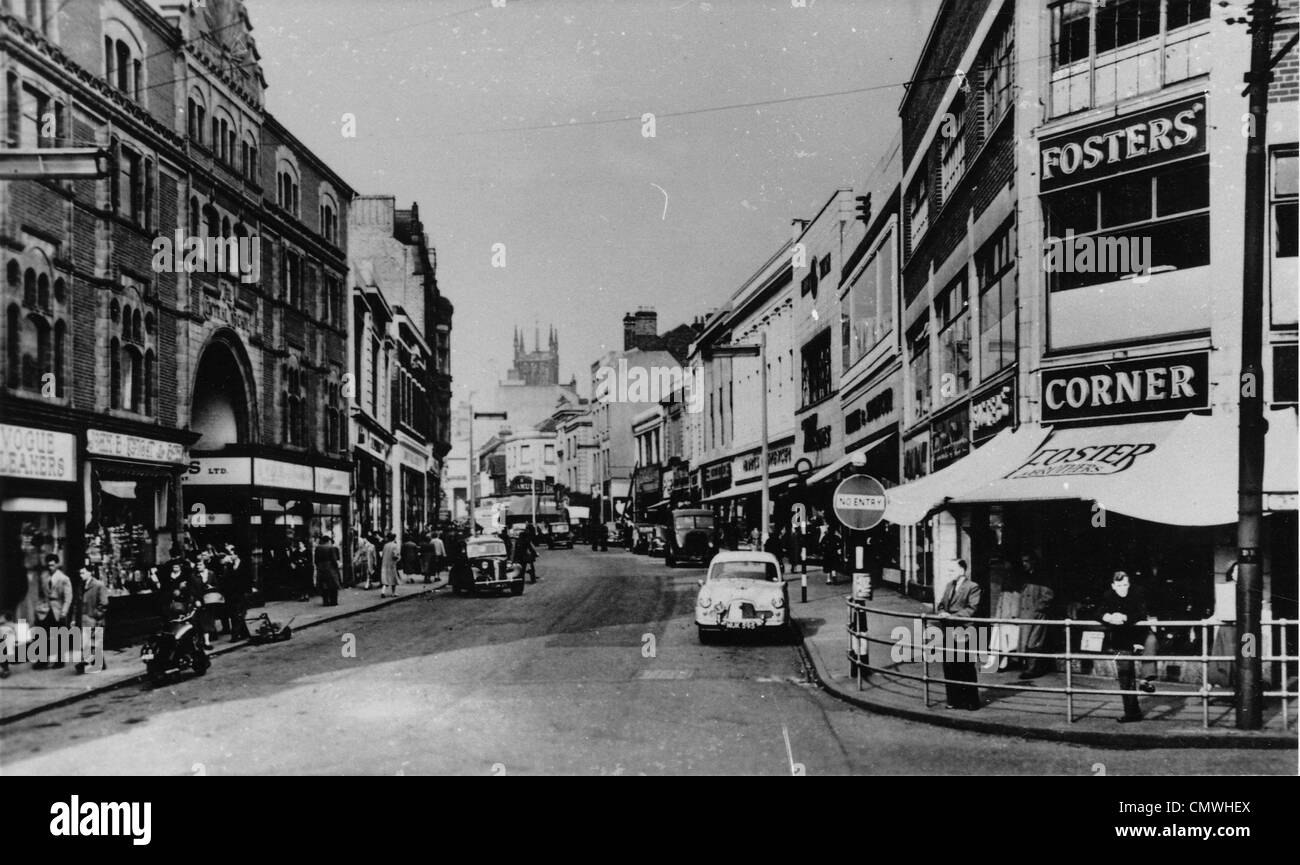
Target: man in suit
column 328, row 570
column 1122, row 607
column 960, row 601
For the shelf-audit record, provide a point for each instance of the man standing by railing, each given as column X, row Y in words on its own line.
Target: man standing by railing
column 960, row 644
column 1122, row 607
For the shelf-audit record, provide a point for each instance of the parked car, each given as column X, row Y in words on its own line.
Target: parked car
column 691, row 538
column 743, row 591
column 485, row 566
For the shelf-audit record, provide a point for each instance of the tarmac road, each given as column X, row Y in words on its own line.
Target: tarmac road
column 594, row 670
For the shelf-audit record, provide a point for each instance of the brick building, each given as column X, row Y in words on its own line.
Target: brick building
column 150, row 395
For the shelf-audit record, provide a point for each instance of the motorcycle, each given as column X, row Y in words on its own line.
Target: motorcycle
column 175, row 648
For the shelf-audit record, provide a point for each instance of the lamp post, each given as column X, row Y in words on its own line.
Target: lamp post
column 473, row 457
column 759, row 351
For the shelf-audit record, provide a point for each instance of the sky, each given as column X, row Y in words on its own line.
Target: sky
column 519, row 130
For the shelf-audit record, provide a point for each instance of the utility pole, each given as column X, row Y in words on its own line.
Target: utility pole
column 1250, row 452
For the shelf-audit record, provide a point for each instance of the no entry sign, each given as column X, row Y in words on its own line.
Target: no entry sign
column 859, row 502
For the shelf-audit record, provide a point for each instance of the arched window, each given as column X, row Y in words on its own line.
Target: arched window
column 225, row 227
column 149, row 383
column 197, row 117
column 44, row 351
column 60, row 291
column 213, row 221
column 43, row 292
column 137, row 326
column 13, row 349
column 14, row 274
column 114, row 374
column 114, row 311
column 133, row 386
column 148, row 323
column 60, row 356
column 126, row 322
column 29, row 288
column 194, row 220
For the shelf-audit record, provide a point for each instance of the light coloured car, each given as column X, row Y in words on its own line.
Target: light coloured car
column 743, row 591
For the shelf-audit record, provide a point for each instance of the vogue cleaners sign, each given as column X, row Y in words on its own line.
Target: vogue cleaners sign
column 1126, row 143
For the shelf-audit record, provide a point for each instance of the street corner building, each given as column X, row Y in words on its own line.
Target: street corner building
column 152, row 400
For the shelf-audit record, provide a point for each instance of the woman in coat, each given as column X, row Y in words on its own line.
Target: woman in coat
column 388, row 559
column 328, row 570
column 831, row 555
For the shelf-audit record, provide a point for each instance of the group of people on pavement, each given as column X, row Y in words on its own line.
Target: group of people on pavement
column 420, row 557
column 61, row 604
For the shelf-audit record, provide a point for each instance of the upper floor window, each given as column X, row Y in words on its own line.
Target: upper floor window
column 995, row 268
column 918, row 369
column 36, row 355
column 196, row 116
column 123, row 61
column 291, row 278
column 816, row 365
column 918, row 206
column 329, row 220
column 867, row 309
column 293, row 404
column 248, row 158
column 952, row 148
column 333, row 418
column 131, row 188
column 998, row 77
column 1284, row 204
column 287, row 192
column 952, row 317
column 1105, row 52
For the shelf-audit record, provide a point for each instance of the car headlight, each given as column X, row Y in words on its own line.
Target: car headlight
column 705, row 601
column 778, row 602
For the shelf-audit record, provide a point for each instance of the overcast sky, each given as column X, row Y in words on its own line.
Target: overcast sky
column 440, row 89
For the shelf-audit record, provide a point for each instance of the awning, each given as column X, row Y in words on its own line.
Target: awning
column 119, row 489
column 659, row 504
column 824, row 473
column 909, row 503
column 1180, row 472
column 745, row 489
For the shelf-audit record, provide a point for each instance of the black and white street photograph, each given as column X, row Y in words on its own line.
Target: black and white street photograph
column 650, row 388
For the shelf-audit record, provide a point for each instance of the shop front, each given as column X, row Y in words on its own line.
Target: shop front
column 373, row 491
column 272, row 511
column 40, row 506
column 737, row 506
column 133, row 511
column 647, row 482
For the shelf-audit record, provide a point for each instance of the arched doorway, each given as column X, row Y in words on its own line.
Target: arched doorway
column 220, row 408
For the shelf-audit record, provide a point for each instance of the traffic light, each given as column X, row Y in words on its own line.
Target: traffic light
column 864, row 208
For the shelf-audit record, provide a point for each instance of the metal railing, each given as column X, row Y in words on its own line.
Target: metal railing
column 860, row 641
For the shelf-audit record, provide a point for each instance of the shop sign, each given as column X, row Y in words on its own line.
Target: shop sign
column 1102, row 458
column 681, row 480
column 1127, row 143
column 334, row 482
column 875, row 411
column 206, row 471
column 776, row 457
column 276, row 473
column 815, row 438
column 992, row 411
column 916, row 457
column 950, row 437
column 718, row 473
column 37, row 454
column 110, row 444
column 1145, row 387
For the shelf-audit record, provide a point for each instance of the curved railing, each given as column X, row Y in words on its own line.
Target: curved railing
column 860, row 641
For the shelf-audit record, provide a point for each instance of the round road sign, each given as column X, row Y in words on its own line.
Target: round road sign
column 859, row 502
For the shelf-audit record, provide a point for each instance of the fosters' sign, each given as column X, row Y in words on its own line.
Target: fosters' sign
column 1126, row 143
column 1173, row 384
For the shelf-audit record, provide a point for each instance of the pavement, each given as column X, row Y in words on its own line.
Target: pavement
column 28, row 691
column 1173, row 718
column 594, row 670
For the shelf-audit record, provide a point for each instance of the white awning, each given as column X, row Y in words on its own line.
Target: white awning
column 1181, row 472
column 119, row 489
column 749, row 488
column 824, row 473
column 909, row 503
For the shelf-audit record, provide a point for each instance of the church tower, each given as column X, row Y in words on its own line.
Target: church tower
column 541, row 366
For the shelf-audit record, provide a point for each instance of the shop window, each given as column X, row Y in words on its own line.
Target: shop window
column 1105, row 52
column 995, row 267
column 816, row 367
column 1286, row 233
column 952, row 316
column 1163, row 211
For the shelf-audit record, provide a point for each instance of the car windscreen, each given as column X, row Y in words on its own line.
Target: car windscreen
column 683, row 524
column 764, row 571
column 486, row 548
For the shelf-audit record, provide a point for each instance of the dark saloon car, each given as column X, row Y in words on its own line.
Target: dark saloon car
column 691, row 538
column 486, row 566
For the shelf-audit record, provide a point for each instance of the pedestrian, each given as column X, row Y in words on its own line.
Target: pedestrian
column 831, row 555
column 1036, row 597
column 94, row 618
column 1122, row 607
column 776, row 548
column 8, row 644
column 1223, row 670
column 1005, row 637
column 53, row 605
column 410, row 565
column 794, row 550
column 234, row 587
column 439, row 554
column 528, row 552
column 388, row 566
column 427, row 555
column 363, row 558
column 329, row 563
column 960, row 600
